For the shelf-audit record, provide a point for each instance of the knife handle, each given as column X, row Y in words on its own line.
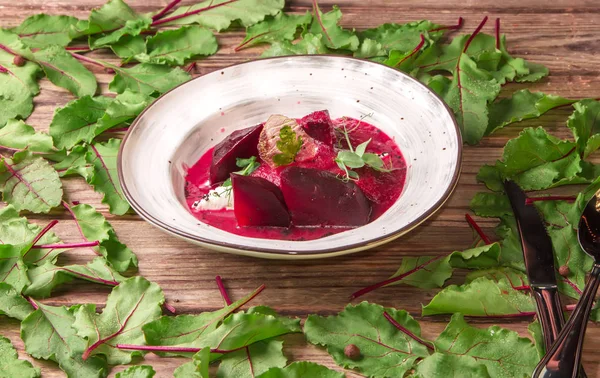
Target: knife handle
column 549, row 311
column 562, row 360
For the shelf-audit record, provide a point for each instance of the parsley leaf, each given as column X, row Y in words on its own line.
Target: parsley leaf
column 11, row 366
column 289, row 144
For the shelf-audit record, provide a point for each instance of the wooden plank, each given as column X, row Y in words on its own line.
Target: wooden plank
column 561, row 34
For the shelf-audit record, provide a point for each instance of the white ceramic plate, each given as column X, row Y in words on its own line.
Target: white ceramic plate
column 182, row 124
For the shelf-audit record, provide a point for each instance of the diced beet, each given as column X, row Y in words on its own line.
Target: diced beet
column 316, row 197
column 318, row 125
column 239, row 144
column 258, row 202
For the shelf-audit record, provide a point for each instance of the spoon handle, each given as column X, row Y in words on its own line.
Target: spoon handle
column 563, row 359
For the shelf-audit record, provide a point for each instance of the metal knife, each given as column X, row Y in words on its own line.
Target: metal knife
column 539, row 264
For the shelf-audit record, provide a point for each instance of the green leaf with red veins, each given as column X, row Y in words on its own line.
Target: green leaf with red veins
column 13, row 270
column 537, row 160
column 440, row 365
column 520, row 106
column 197, row 368
column 402, row 38
column 93, row 226
column 536, row 72
column 47, row 277
column 62, row 69
column 219, row 14
column 253, row 360
column 503, row 352
column 385, row 350
column 17, row 230
column 115, row 19
column 11, row 366
column 129, row 46
column 147, row 78
column 104, row 178
column 468, row 96
column 129, row 306
column 72, row 162
column 18, row 85
column 585, row 125
column 123, row 110
column 141, row 371
column 310, row 44
column 242, row 330
column 48, row 334
column 30, row 183
column 175, row 47
column 282, row 27
column 78, row 121
column 334, row 36
column 12, row 304
column 16, row 135
column 302, row 369
column 429, row 272
column 481, row 297
column 516, row 278
column 189, row 330
column 42, row 30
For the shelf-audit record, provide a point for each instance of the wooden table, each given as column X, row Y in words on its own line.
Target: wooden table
column 562, row 34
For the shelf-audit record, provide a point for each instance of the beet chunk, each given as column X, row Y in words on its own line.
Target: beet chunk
column 318, row 125
column 239, row 144
column 258, row 202
column 316, row 197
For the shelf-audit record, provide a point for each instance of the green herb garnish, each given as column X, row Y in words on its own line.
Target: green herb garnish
column 289, row 144
column 248, row 166
column 358, row 158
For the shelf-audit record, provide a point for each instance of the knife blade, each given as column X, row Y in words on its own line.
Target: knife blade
column 539, row 262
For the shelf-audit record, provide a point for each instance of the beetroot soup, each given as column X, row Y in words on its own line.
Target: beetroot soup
column 297, row 179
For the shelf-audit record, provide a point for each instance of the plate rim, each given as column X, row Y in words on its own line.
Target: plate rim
column 278, row 253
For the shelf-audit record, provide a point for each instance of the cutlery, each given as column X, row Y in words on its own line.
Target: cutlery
column 539, row 263
column 562, row 359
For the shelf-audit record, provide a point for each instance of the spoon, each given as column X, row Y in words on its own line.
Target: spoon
column 562, row 360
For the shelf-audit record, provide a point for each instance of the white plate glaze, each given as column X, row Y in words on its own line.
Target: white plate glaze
column 181, row 125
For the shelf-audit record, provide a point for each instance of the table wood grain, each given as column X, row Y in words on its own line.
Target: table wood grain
column 562, row 34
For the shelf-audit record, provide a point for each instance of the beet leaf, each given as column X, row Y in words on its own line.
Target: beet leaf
column 386, row 351
column 334, row 36
column 502, row 351
column 11, row 366
column 585, row 125
column 282, row 27
column 78, row 121
column 147, row 78
column 310, row 44
column 130, row 305
column 140, row 371
column 103, row 159
column 12, row 303
column 42, row 30
column 440, row 365
column 175, row 47
column 16, row 135
column 520, row 106
column 219, row 14
column 65, row 71
column 30, row 183
column 48, row 334
column 301, row 369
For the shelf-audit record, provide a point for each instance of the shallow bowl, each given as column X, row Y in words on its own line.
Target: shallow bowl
column 180, row 126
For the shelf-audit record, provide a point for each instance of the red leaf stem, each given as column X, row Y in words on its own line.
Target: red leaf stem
column 165, row 10
column 531, row 200
column 32, row 302
column 370, row 288
column 477, row 229
column 415, row 50
column 87, row 60
column 66, row 206
column 406, row 331
column 477, row 30
column 68, row 245
column 190, row 13
column 222, row 290
column 458, row 25
column 170, row 308
column 497, row 32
